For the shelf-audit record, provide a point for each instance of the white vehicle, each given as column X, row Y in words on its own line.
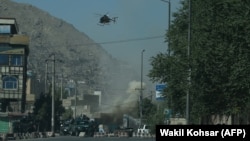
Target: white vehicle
column 144, row 129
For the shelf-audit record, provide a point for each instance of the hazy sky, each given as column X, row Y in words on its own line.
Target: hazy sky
column 141, row 24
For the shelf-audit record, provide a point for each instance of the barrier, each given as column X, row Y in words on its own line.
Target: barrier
column 122, row 134
column 111, row 134
column 49, row 134
column 147, row 135
column 98, row 134
column 28, row 135
column 118, row 134
column 143, row 135
column 135, row 134
column 82, row 134
column 3, row 137
column 42, row 135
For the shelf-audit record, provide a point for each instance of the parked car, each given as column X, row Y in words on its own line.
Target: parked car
column 74, row 127
column 82, row 126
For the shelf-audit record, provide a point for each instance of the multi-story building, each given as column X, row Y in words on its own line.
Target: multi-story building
column 14, row 50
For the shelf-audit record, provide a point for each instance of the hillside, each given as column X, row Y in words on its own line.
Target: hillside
column 82, row 59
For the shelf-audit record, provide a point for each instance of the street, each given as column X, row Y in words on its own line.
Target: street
column 72, row 138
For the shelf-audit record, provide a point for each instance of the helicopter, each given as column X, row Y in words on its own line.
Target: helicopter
column 105, row 19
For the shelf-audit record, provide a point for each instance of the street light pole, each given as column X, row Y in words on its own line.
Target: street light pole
column 169, row 21
column 141, row 90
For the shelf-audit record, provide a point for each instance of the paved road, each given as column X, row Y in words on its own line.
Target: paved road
column 72, row 138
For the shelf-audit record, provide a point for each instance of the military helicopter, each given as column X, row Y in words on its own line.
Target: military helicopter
column 105, row 19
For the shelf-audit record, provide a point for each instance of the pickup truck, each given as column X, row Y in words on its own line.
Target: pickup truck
column 144, row 129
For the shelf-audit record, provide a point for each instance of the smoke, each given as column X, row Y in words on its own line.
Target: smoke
column 129, row 105
column 122, row 92
column 133, row 91
column 126, row 105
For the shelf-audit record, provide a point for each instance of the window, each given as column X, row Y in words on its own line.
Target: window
column 9, row 82
column 17, row 60
column 4, row 29
column 4, row 59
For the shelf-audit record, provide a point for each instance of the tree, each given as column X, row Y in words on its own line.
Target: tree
column 67, row 114
column 172, row 69
column 42, row 111
column 219, row 59
column 148, row 108
column 220, row 56
column 156, row 117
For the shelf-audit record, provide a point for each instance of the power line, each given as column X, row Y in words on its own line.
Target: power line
column 131, row 40
column 118, row 41
column 125, row 103
column 101, row 43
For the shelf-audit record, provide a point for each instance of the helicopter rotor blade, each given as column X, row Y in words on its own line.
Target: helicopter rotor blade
column 98, row 14
column 114, row 19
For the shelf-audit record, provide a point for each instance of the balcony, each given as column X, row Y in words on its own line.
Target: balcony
column 18, row 39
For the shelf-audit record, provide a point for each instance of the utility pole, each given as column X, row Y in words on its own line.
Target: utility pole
column 189, row 69
column 61, row 87
column 75, row 97
column 46, row 76
column 53, row 96
column 169, row 21
column 141, row 90
column 52, row 58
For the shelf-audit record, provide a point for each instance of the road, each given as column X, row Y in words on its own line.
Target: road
column 72, row 138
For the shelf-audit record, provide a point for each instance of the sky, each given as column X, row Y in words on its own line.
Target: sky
column 141, row 25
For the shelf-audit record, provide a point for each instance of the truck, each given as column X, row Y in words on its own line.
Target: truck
column 143, row 129
column 128, row 125
column 116, row 124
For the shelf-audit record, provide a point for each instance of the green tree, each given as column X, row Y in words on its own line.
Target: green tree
column 67, row 114
column 172, row 69
column 148, row 108
column 43, row 111
column 156, row 117
column 219, row 59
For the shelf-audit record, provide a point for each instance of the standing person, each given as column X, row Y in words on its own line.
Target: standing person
column 101, row 130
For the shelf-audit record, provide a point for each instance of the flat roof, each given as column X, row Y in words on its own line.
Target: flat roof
column 10, row 21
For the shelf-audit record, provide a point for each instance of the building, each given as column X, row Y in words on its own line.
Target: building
column 33, row 91
column 14, row 50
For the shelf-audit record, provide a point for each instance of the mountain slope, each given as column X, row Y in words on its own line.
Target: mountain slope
column 83, row 59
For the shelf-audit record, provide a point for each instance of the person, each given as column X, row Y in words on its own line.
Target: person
column 101, row 130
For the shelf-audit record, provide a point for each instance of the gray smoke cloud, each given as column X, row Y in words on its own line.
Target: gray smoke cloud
column 128, row 101
column 133, row 91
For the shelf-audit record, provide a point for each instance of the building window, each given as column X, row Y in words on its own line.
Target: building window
column 4, row 29
column 4, row 59
column 10, row 82
column 17, row 60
